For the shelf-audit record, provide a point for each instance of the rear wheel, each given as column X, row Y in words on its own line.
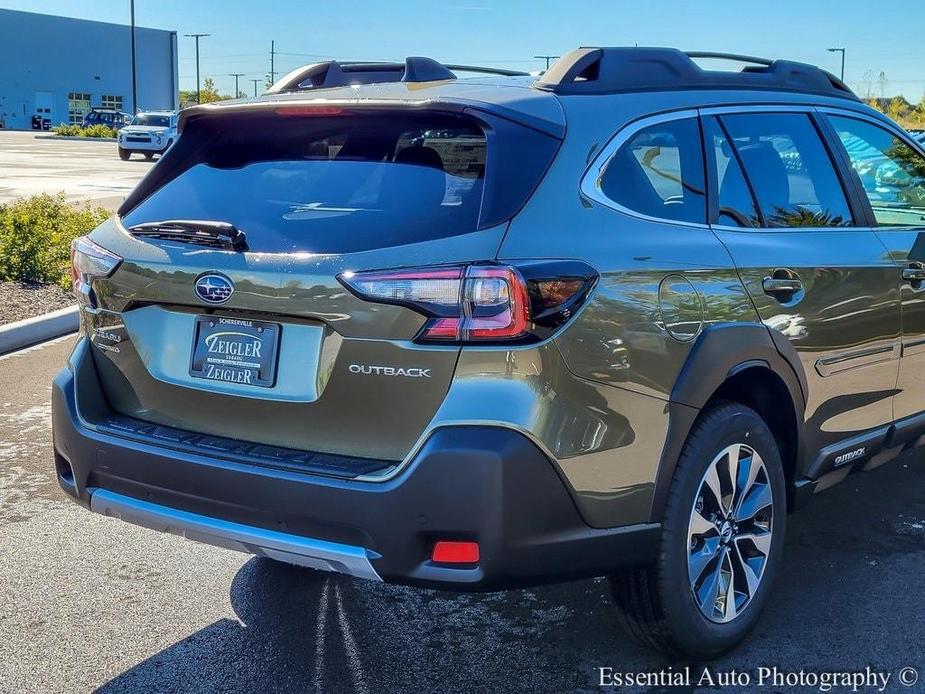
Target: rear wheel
column 721, row 542
column 124, row 154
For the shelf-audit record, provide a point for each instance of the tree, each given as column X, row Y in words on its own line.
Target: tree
column 897, row 109
column 208, row 94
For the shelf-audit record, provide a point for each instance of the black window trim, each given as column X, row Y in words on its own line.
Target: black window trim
column 882, row 122
column 713, row 178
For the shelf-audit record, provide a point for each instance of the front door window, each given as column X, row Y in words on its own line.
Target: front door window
column 891, row 171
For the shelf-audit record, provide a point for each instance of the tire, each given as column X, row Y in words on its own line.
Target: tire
column 658, row 603
column 124, row 154
column 149, row 155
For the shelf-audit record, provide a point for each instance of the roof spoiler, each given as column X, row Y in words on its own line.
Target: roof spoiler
column 332, row 73
column 627, row 69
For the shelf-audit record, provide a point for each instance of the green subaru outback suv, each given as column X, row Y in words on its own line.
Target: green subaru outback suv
column 480, row 333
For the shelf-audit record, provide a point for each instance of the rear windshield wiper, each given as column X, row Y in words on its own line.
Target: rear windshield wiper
column 204, row 232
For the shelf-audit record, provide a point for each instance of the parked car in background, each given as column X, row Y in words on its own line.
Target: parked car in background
column 106, row 116
column 148, row 134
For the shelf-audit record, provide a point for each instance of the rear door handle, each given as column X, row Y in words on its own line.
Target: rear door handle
column 914, row 274
column 781, row 285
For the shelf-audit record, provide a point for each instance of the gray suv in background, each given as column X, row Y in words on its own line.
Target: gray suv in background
column 481, row 333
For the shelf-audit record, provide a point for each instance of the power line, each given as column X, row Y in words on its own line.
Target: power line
column 227, row 55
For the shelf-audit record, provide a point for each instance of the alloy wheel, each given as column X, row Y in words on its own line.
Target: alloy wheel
column 730, row 531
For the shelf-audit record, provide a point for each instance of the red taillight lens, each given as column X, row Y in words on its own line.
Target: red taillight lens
column 481, row 303
column 445, row 552
column 495, row 304
column 89, row 261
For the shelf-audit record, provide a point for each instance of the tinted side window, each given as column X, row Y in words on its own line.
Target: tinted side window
column 789, row 169
column 893, row 174
column 735, row 204
column 659, row 172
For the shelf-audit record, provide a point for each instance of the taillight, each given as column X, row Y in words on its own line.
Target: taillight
column 482, row 303
column 89, row 261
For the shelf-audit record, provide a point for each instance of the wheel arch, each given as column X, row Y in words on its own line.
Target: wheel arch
column 745, row 363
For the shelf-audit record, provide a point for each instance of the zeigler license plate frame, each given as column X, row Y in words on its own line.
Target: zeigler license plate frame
column 235, row 350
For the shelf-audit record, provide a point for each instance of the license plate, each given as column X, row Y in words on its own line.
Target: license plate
column 233, row 350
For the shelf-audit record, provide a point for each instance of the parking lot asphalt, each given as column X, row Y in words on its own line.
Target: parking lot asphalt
column 83, row 170
column 88, row 602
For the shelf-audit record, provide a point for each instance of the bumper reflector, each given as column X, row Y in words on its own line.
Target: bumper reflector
column 455, row 553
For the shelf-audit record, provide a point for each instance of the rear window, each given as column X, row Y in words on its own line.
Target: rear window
column 332, row 184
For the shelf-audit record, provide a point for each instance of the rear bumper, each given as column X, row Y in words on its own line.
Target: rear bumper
column 475, row 483
column 303, row 551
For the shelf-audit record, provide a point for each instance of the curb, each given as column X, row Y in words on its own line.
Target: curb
column 75, row 138
column 31, row 331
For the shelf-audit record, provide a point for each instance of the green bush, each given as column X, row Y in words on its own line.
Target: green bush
column 74, row 130
column 69, row 130
column 36, row 235
column 99, row 130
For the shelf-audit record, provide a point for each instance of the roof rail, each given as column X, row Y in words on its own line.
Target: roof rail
column 332, row 73
column 503, row 72
column 735, row 57
column 627, row 69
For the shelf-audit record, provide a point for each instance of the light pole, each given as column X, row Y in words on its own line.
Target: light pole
column 134, row 77
column 197, row 37
column 236, row 75
column 256, row 82
column 842, row 51
column 547, row 58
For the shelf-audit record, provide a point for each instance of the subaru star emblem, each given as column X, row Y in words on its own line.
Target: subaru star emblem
column 214, row 288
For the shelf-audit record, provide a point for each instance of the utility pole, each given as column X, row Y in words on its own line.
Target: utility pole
column 272, row 62
column 134, row 75
column 236, row 75
column 547, row 58
column 256, row 82
column 842, row 51
column 197, row 37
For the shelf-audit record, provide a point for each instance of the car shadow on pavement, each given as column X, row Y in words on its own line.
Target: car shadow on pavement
column 305, row 631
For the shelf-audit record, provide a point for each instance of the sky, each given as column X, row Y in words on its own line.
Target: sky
column 879, row 37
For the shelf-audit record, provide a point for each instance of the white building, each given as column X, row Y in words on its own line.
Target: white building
column 57, row 68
